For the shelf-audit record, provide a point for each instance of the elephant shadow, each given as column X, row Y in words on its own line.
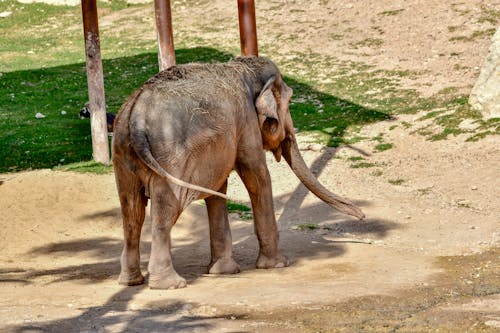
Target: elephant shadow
column 191, row 243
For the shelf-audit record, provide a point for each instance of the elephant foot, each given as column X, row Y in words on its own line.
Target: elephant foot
column 131, row 279
column 224, row 266
column 278, row 261
column 167, row 280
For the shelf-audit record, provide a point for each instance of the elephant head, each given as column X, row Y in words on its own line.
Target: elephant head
column 278, row 136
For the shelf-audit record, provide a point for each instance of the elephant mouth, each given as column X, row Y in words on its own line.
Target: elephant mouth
column 290, row 151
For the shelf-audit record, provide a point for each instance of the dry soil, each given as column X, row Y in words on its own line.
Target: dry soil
column 425, row 258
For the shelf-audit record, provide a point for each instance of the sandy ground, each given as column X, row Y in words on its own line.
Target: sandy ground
column 61, row 232
column 61, row 240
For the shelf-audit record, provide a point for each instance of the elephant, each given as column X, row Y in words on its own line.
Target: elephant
column 177, row 139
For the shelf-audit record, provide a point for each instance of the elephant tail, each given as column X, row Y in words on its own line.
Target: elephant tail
column 140, row 144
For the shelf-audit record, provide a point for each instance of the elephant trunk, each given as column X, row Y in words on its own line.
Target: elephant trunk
column 299, row 167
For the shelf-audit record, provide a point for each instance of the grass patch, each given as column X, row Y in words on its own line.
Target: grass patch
column 383, row 146
column 43, row 71
column 398, row 181
column 391, row 12
column 476, row 34
column 424, row 191
column 52, row 81
column 86, row 167
column 368, row 42
column 355, row 158
column 406, row 124
column 362, row 165
column 235, row 207
column 489, row 15
column 355, row 139
column 307, row 226
column 244, row 212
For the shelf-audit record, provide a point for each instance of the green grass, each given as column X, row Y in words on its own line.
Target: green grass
column 362, row 165
column 396, row 181
column 28, row 142
column 42, row 71
column 355, row 158
column 368, row 42
column 86, row 167
column 489, row 15
column 243, row 211
column 391, row 12
column 476, row 34
column 235, row 207
column 307, row 226
column 51, row 80
column 383, row 146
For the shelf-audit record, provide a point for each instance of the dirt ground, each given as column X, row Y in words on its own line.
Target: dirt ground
column 426, row 258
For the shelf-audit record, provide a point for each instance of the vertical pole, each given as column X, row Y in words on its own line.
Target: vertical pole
column 95, row 83
column 248, row 28
column 166, row 53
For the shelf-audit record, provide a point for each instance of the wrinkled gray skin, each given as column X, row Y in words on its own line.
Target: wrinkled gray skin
column 177, row 139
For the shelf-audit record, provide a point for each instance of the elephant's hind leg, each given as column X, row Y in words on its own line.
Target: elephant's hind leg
column 165, row 209
column 221, row 245
column 133, row 204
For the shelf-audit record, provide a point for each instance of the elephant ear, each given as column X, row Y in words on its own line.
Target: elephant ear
column 267, row 109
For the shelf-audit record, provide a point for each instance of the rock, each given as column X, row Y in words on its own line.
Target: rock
column 485, row 96
column 315, row 147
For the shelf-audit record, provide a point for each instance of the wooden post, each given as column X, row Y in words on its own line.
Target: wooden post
column 248, row 28
column 95, row 83
column 166, row 53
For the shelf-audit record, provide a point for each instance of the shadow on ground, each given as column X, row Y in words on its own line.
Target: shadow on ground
column 115, row 314
column 191, row 253
column 35, row 143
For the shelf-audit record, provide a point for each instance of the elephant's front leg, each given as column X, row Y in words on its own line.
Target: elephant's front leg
column 221, row 245
column 165, row 210
column 253, row 171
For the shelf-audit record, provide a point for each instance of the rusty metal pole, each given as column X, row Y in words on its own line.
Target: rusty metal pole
column 166, row 53
column 248, row 28
column 95, row 83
